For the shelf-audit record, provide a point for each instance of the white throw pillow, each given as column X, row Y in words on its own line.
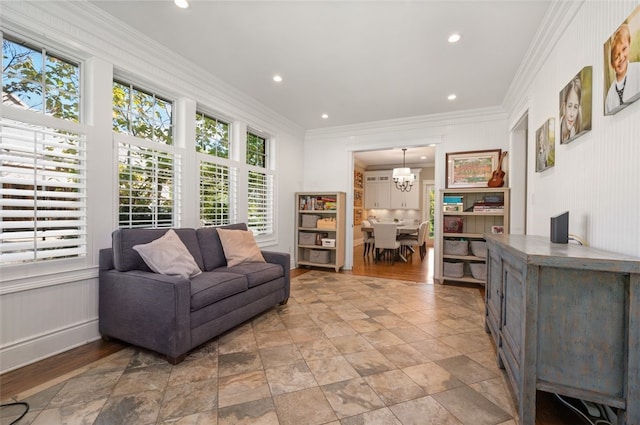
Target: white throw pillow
column 168, row 255
column 240, row 247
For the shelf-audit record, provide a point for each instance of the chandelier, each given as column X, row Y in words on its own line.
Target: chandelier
column 403, row 177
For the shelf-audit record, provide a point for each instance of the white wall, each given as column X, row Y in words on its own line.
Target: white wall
column 50, row 308
column 332, row 149
column 596, row 177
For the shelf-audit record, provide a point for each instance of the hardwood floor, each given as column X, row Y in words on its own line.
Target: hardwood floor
column 549, row 410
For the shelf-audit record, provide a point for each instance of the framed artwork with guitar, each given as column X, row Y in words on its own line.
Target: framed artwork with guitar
column 473, row 169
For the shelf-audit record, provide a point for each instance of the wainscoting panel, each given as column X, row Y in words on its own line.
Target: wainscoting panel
column 40, row 322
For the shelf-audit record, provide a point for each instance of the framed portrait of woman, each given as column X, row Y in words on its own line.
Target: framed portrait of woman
column 575, row 106
column 622, row 65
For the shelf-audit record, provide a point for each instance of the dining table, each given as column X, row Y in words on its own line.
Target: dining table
column 401, row 230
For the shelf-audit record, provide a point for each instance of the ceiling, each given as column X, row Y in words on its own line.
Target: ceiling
column 357, row 61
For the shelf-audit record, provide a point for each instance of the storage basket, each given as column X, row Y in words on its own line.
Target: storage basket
column 319, row 256
column 309, row 220
column 479, row 248
column 456, row 247
column 326, row 223
column 328, row 242
column 453, row 269
column 478, row 270
column 306, row 238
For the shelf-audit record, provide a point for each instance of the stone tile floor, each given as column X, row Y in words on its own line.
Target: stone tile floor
column 345, row 350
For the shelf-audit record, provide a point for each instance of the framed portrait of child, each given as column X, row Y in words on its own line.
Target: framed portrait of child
column 545, row 146
column 622, row 65
column 575, row 106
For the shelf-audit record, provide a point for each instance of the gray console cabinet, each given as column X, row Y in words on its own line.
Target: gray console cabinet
column 565, row 319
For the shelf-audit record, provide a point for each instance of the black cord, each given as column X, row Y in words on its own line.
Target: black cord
column 17, row 403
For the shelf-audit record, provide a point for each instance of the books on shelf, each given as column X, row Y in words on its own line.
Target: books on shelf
column 495, row 207
column 320, row 203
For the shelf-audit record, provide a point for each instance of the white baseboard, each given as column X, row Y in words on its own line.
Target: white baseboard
column 38, row 348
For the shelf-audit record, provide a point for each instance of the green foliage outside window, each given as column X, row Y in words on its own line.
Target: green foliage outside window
column 35, row 80
column 256, row 150
column 212, row 136
column 141, row 114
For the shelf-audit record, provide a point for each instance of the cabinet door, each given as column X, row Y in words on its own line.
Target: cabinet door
column 405, row 200
column 371, row 193
column 384, row 192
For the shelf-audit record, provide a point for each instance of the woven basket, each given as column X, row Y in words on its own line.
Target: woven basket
column 478, row 270
column 453, row 269
column 479, row 248
column 456, row 247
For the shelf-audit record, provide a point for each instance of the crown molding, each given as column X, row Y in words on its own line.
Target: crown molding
column 555, row 22
column 86, row 30
column 422, row 122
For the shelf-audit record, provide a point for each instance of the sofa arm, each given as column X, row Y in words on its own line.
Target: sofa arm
column 146, row 309
column 284, row 259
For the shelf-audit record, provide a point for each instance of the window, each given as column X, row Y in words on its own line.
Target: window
column 260, row 186
column 148, row 164
column 217, row 178
column 141, row 114
column 43, row 159
column 212, row 136
column 256, row 150
column 35, row 80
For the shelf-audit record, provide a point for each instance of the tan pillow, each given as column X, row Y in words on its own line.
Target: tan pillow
column 168, row 255
column 239, row 247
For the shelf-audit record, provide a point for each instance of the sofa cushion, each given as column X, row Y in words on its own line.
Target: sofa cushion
column 211, row 247
column 210, row 287
column 168, row 255
column 239, row 246
column 125, row 258
column 256, row 273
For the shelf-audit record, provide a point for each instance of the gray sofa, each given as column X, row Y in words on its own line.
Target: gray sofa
column 172, row 315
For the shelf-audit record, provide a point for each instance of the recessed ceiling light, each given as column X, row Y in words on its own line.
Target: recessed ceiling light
column 182, row 4
column 452, row 97
column 423, row 157
column 277, row 78
column 325, row 116
column 454, row 38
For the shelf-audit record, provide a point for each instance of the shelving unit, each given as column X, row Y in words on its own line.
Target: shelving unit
column 474, row 226
column 329, row 208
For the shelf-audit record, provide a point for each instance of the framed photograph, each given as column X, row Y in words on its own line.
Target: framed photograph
column 575, row 106
column 471, row 169
column 498, row 230
column 622, row 65
column 545, row 146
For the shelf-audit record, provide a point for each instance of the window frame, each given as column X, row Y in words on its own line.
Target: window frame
column 268, row 170
column 153, row 145
column 43, row 121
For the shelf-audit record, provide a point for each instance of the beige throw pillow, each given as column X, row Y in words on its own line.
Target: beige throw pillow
column 240, row 247
column 168, row 255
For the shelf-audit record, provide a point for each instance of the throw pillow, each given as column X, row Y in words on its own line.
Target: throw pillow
column 168, row 255
column 240, row 247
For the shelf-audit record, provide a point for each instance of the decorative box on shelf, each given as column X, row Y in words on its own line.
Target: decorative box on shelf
column 326, row 223
column 331, row 243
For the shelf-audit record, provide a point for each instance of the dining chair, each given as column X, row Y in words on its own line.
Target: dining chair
column 384, row 235
column 419, row 239
column 369, row 240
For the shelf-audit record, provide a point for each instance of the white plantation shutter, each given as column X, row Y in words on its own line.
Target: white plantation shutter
column 148, row 187
column 43, row 194
column 216, row 196
column 260, row 203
